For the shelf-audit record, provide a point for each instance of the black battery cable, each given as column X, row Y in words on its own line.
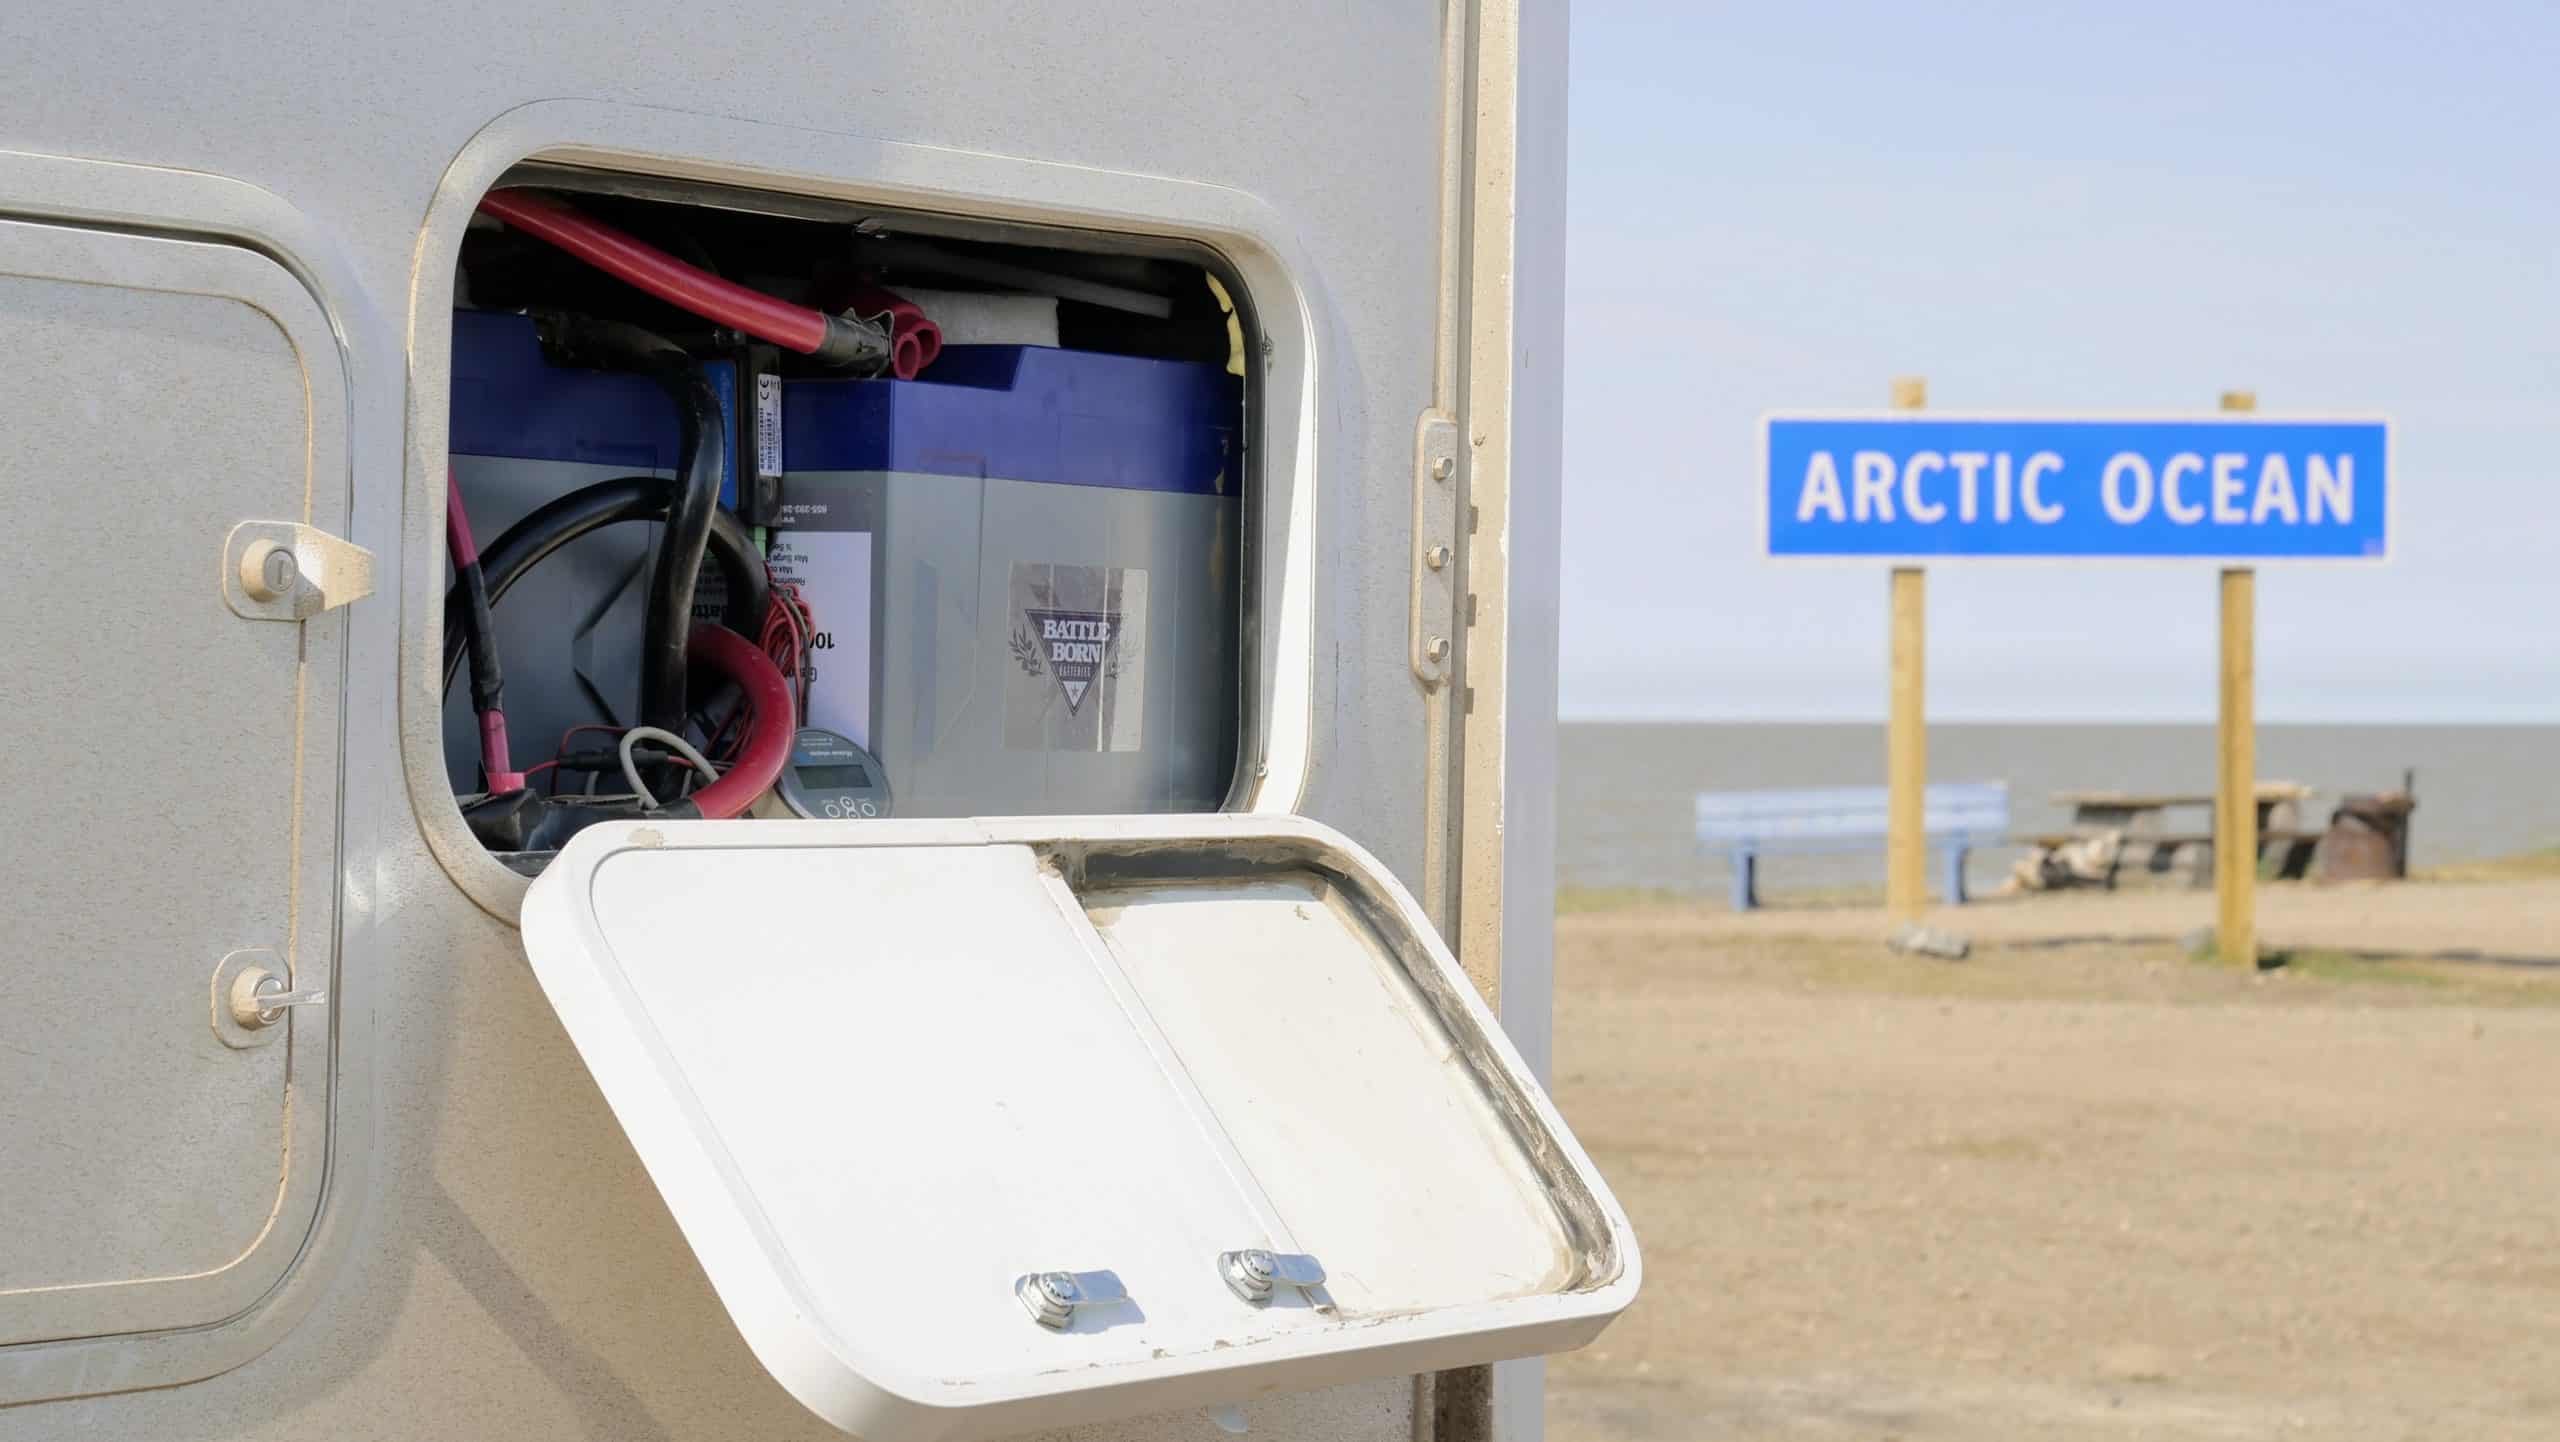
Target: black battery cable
column 702, row 457
column 557, row 522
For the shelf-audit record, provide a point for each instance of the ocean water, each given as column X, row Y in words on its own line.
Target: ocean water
column 1626, row 788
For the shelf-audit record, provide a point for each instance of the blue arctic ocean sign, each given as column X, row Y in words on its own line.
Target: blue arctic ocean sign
column 1908, row 484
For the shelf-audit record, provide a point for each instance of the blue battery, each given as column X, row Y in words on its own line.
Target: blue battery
column 1026, row 413
column 1025, row 571
column 1024, row 567
column 510, row 402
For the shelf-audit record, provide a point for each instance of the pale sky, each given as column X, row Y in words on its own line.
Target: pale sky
column 2351, row 208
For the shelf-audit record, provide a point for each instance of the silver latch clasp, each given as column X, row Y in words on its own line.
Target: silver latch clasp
column 287, row 571
column 1054, row 1298
column 1256, row 1273
column 260, row 998
column 252, row 990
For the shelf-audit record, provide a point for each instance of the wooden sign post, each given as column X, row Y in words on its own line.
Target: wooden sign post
column 1906, row 760
column 2235, row 788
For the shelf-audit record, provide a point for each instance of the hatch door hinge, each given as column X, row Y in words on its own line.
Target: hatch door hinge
column 1432, row 643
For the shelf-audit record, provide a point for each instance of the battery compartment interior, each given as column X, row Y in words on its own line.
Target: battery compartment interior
column 980, row 505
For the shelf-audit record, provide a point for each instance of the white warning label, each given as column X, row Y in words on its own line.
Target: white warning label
column 768, row 424
column 833, row 571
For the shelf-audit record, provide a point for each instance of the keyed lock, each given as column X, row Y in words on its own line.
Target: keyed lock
column 268, row 570
column 287, row 571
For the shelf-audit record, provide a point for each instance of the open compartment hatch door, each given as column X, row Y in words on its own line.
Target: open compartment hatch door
column 985, row 1127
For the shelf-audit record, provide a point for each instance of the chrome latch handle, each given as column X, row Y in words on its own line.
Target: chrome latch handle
column 1256, row 1273
column 1054, row 1298
column 260, row 998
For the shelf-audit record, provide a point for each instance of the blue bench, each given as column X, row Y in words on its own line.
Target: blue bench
column 1746, row 825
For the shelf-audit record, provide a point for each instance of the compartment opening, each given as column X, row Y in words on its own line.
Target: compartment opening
column 769, row 506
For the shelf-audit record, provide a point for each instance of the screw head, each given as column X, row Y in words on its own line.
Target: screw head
column 1437, row 557
column 1443, row 467
column 1436, row 649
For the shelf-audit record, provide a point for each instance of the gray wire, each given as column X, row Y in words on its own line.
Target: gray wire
column 674, row 743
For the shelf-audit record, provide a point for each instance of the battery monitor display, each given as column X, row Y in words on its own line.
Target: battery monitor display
column 830, row 778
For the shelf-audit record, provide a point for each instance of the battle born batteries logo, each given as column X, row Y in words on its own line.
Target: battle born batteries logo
column 1079, row 635
column 1075, row 647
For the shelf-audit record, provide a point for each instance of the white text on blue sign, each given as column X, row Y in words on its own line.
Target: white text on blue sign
column 2229, row 489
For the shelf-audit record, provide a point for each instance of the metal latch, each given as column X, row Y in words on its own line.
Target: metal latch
column 1054, row 1298
column 1435, row 547
column 252, row 991
column 287, row 571
column 1255, row 1273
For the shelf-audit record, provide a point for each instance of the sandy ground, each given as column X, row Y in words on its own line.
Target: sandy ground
column 2092, row 1189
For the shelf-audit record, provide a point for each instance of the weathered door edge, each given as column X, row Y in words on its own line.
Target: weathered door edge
column 186, row 204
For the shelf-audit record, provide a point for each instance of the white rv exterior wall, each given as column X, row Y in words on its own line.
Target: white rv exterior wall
column 491, row 1262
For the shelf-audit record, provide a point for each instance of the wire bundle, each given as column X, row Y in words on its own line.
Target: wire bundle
column 789, row 628
column 786, row 638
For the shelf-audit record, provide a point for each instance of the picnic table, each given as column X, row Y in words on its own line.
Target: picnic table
column 2144, row 819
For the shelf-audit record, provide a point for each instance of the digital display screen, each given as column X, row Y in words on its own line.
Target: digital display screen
column 848, row 777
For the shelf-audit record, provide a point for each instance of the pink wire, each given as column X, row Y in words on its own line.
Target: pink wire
column 503, row 777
